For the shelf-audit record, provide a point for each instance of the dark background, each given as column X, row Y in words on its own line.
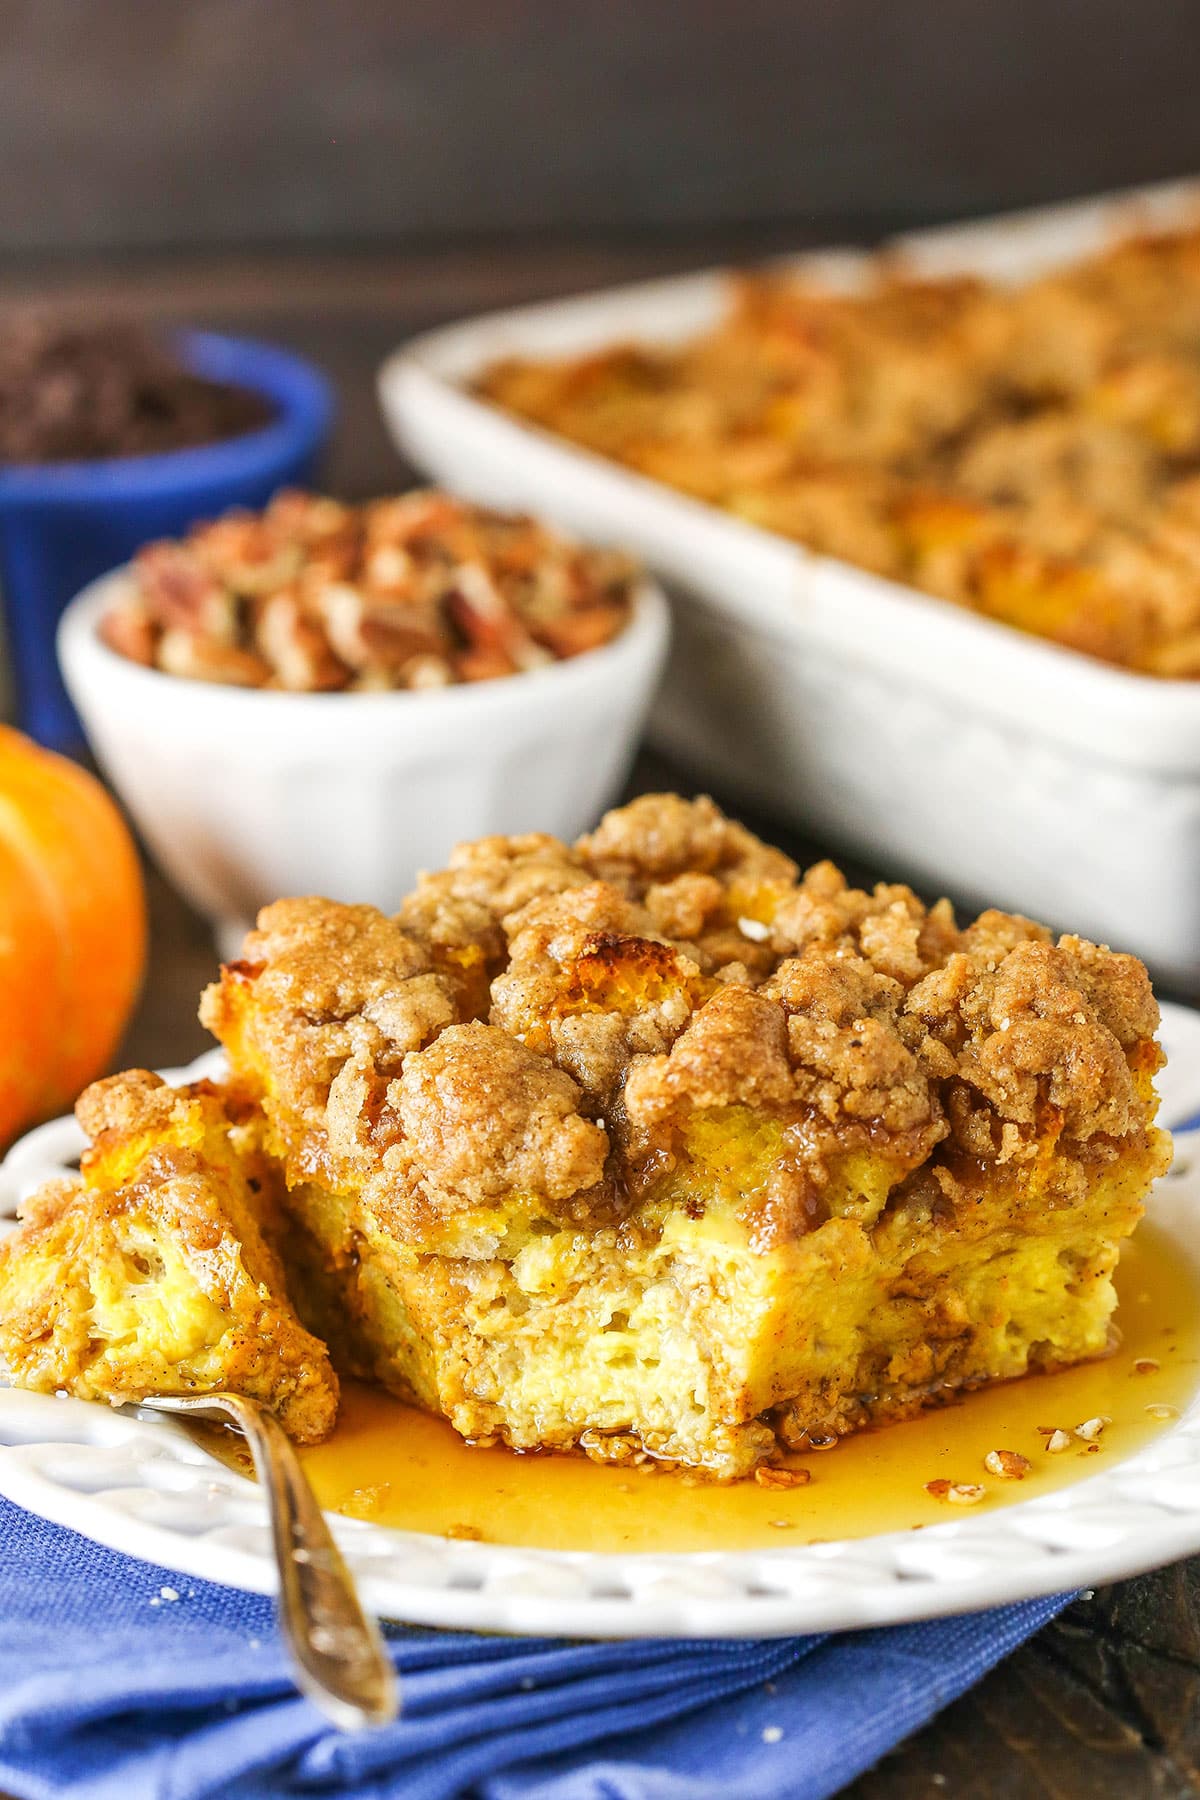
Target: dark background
column 201, row 124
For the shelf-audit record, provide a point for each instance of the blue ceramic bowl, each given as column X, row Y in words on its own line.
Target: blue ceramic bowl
column 63, row 524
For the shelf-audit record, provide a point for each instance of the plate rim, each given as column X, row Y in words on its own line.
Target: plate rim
column 144, row 1487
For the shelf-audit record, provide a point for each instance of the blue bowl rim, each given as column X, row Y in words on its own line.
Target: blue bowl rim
column 301, row 394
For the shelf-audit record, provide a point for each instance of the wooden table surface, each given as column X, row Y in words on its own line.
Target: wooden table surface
column 1105, row 1701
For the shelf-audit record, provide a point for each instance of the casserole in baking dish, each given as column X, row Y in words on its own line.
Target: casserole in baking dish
column 961, row 751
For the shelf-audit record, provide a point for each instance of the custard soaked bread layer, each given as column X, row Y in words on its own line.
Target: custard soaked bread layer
column 157, row 1268
column 652, row 1147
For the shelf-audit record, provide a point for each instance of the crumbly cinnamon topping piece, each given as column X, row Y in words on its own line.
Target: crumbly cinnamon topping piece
column 460, row 908
column 700, row 876
column 131, row 1102
column 734, row 1052
column 1039, row 1025
column 484, row 1119
column 889, row 926
column 661, row 836
column 588, row 981
column 609, row 1014
column 340, row 994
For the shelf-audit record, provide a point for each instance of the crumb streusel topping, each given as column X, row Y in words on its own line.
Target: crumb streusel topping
column 548, row 1022
column 420, row 591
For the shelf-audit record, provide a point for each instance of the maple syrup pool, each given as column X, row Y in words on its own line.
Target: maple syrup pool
column 393, row 1465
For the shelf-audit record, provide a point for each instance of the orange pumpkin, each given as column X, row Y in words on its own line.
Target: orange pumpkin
column 72, row 930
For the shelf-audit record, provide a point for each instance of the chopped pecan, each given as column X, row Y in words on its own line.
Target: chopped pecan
column 416, row 592
column 181, row 593
column 1009, row 1465
column 296, row 648
column 958, row 1493
column 781, row 1478
column 1091, row 1429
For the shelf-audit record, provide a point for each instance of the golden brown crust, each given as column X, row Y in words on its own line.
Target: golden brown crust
column 133, row 1101
column 589, row 982
column 733, row 1052
column 1039, row 1026
column 845, row 1043
column 669, row 965
column 458, row 910
column 661, row 836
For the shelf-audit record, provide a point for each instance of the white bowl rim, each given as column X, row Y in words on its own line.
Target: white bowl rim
column 83, row 655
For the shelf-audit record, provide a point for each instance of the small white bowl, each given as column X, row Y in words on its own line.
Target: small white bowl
column 244, row 794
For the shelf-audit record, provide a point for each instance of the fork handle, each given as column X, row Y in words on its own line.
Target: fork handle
column 338, row 1654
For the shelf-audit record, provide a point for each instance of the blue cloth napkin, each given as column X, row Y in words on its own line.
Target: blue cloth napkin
column 122, row 1681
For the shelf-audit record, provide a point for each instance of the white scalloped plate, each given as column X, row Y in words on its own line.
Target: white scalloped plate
column 142, row 1486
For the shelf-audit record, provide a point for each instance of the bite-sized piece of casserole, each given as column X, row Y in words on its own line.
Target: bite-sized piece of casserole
column 652, row 1147
column 152, row 1271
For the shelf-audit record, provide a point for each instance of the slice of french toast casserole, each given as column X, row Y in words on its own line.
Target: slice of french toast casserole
column 652, row 1147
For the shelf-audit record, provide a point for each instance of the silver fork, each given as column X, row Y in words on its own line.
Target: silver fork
column 337, row 1653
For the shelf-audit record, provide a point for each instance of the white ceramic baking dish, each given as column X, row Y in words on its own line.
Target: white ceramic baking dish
column 940, row 744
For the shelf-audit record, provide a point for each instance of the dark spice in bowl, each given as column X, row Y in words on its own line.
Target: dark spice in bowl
column 77, row 392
